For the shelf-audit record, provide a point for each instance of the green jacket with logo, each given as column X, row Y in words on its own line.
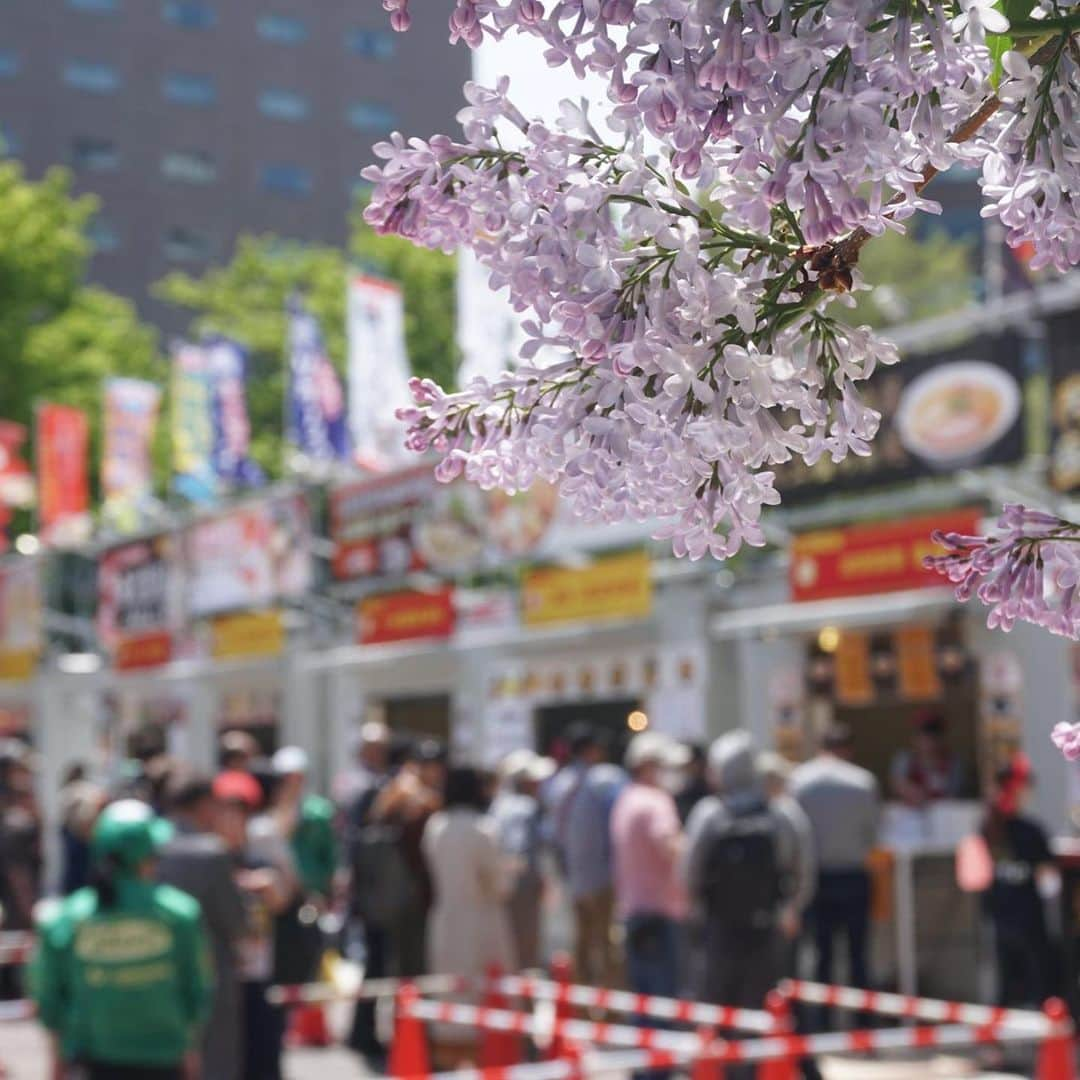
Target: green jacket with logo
column 129, row 985
column 314, row 846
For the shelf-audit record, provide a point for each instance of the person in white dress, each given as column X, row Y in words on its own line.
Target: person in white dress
column 472, row 877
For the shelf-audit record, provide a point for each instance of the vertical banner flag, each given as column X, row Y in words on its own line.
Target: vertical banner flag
column 16, row 479
column 193, row 424
column 316, row 424
column 378, row 369
column 131, row 411
column 63, row 441
column 227, row 362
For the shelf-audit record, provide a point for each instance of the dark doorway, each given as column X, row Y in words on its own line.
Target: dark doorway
column 607, row 717
column 419, row 716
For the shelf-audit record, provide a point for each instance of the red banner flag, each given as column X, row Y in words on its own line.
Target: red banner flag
column 63, row 437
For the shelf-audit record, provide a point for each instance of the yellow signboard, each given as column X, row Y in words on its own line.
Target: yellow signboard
column 612, row 587
column 17, row 664
column 252, row 633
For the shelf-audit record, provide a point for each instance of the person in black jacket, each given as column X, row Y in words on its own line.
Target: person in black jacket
column 1022, row 860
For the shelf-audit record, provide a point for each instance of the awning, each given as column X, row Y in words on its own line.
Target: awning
column 881, row 609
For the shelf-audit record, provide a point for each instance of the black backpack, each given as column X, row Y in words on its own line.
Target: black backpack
column 741, row 870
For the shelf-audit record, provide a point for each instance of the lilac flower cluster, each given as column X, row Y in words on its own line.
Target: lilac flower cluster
column 1029, row 569
column 700, row 353
column 1031, row 168
column 682, row 265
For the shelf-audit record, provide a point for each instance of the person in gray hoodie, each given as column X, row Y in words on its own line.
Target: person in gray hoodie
column 749, row 872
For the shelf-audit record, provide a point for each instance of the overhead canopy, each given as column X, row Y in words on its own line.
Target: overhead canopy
column 881, row 609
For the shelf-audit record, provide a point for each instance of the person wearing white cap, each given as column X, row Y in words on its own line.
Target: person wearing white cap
column 646, row 838
column 306, row 821
column 518, row 815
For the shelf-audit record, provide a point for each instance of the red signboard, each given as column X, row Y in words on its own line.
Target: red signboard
column 63, row 442
column 405, row 616
column 874, row 558
column 143, row 651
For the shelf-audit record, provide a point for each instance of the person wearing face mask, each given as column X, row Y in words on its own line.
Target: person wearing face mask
column 646, row 840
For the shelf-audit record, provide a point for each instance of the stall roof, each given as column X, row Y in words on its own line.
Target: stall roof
column 880, row 609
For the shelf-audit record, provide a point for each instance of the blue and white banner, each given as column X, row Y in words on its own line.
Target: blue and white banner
column 317, row 424
column 227, row 361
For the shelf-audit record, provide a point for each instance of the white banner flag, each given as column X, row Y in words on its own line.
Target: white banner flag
column 378, row 370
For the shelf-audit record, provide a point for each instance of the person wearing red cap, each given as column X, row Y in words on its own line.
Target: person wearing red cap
column 266, row 891
column 1023, row 867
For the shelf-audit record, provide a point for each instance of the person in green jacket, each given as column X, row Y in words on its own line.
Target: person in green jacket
column 308, row 823
column 122, row 975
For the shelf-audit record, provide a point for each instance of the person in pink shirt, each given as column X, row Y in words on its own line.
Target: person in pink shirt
column 646, row 839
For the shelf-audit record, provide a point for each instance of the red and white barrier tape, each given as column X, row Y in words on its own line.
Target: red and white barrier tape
column 537, row 989
column 11, row 1011
column 16, row 947
column 687, row 1045
column 622, row 1001
column 315, row 993
column 545, row 1028
column 907, row 1007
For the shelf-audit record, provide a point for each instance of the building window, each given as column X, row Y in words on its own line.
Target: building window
column 189, row 89
column 369, row 116
column 190, row 14
column 186, row 245
column 94, row 78
column 282, row 29
column 286, row 179
column 102, row 235
column 372, row 44
column 9, row 64
column 95, row 7
column 283, row 105
column 10, row 143
column 189, row 167
column 91, row 154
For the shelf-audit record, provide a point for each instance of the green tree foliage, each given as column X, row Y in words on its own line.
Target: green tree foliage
column 913, row 279
column 59, row 338
column 246, row 299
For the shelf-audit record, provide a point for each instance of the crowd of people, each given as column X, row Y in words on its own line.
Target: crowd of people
column 687, row 870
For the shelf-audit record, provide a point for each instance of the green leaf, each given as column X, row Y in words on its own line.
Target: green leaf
column 999, row 45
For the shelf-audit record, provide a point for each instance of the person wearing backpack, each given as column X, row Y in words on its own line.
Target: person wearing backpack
column 749, row 873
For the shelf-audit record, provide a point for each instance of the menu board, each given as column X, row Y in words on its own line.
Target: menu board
column 940, row 412
column 249, row 557
column 407, row 521
column 137, row 585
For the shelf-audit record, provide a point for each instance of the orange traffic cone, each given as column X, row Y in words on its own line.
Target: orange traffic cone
column 1057, row 1057
column 497, row 1048
column 307, row 1027
column 409, row 1050
column 561, row 969
column 778, row 1006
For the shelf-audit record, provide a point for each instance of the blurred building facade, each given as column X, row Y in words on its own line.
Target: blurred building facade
column 196, row 121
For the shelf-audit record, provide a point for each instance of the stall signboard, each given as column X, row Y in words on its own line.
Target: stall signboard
column 864, row 559
column 139, row 601
column 22, row 618
column 407, row 521
column 1061, row 340
column 854, row 683
column 249, row 557
column 248, row 634
column 405, row 616
column 950, row 410
column 611, row 587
